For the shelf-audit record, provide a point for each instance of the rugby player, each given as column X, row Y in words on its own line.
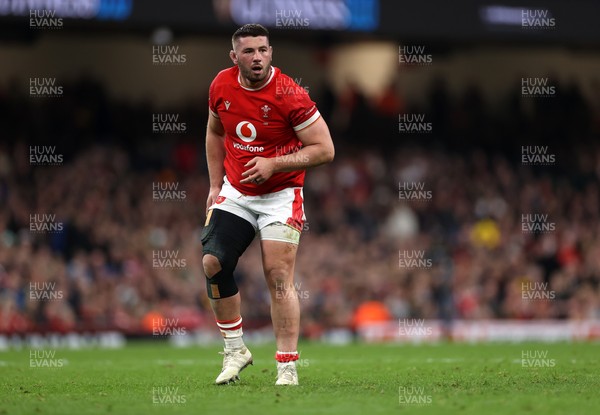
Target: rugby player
column 263, row 132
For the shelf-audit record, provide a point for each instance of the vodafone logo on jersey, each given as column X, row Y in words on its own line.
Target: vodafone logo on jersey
column 246, row 131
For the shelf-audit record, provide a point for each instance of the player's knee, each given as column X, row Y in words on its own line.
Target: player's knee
column 211, row 265
column 279, row 279
column 220, row 282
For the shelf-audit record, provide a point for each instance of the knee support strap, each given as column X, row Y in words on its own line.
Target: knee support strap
column 280, row 232
column 226, row 237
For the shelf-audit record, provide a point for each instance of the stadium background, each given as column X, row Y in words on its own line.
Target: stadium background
column 130, row 70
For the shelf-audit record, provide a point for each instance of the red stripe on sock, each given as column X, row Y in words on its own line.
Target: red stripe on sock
column 284, row 357
column 229, row 321
column 238, row 320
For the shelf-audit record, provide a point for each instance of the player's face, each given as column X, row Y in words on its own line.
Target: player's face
column 253, row 56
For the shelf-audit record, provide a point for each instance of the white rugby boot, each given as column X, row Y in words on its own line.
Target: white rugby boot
column 287, row 374
column 234, row 361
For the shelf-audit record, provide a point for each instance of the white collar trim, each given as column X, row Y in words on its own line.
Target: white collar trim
column 260, row 87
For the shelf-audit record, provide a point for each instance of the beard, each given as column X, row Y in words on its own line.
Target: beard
column 253, row 76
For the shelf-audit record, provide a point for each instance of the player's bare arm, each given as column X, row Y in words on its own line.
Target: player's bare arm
column 215, row 154
column 317, row 149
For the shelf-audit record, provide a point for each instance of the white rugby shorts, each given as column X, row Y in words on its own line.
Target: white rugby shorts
column 285, row 207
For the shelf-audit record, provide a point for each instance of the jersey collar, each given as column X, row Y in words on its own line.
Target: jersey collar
column 271, row 75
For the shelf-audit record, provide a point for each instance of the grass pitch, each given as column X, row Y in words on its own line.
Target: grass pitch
column 154, row 378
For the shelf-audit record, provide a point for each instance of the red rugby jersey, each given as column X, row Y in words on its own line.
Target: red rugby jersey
column 260, row 122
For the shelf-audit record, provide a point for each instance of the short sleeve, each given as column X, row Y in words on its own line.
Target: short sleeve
column 302, row 111
column 212, row 105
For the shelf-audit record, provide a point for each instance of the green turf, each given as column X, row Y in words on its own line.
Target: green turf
column 357, row 379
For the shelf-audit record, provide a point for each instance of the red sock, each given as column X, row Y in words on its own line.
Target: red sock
column 284, row 357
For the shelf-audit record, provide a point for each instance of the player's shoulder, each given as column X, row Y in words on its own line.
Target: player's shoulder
column 226, row 76
column 280, row 75
column 283, row 79
column 288, row 88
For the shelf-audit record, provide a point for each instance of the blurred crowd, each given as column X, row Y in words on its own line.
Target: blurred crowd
column 86, row 243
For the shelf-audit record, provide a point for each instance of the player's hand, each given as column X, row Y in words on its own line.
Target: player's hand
column 260, row 169
column 212, row 196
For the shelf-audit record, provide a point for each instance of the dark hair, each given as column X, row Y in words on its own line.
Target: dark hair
column 250, row 29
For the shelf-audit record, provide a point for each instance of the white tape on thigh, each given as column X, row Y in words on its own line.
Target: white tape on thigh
column 280, row 232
